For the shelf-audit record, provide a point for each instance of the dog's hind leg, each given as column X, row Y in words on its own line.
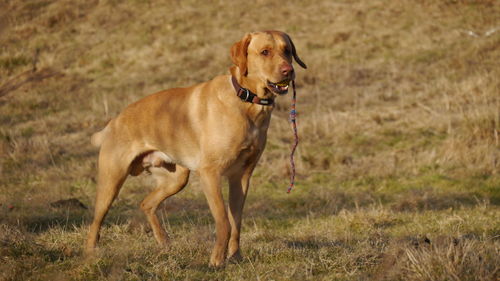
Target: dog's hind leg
column 112, row 173
column 170, row 180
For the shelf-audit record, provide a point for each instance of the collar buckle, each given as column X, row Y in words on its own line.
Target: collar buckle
column 245, row 95
column 248, row 96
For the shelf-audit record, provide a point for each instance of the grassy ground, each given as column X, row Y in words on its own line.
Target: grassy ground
column 398, row 161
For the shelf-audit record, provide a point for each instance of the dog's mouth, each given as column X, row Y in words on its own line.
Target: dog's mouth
column 279, row 88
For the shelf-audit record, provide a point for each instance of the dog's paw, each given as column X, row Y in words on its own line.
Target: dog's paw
column 216, row 263
column 235, row 258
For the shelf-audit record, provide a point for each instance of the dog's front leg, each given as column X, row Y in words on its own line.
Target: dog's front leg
column 238, row 188
column 211, row 181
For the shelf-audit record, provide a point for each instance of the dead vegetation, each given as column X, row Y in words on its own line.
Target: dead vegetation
column 398, row 161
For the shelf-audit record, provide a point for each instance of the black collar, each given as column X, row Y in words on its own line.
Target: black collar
column 247, row 96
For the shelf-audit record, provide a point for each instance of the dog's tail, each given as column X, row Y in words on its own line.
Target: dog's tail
column 99, row 137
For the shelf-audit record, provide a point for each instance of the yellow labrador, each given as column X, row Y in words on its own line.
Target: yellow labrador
column 217, row 128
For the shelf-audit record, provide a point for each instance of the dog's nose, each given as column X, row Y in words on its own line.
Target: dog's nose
column 286, row 69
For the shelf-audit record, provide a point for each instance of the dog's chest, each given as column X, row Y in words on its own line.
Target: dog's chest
column 252, row 136
column 253, row 143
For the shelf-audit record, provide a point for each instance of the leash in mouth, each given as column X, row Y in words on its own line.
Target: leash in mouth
column 293, row 121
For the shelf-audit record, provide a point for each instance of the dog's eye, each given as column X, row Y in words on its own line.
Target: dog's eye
column 287, row 51
column 265, row 52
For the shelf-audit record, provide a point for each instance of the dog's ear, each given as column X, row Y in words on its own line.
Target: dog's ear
column 294, row 52
column 239, row 53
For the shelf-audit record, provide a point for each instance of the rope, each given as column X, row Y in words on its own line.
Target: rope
column 293, row 117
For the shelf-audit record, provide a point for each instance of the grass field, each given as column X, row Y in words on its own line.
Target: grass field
column 398, row 164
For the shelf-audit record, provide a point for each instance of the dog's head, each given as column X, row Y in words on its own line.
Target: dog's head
column 265, row 58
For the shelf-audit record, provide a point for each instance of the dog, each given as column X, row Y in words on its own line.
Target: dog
column 216, row 128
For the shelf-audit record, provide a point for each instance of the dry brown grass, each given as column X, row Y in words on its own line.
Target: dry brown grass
column 398, row 161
